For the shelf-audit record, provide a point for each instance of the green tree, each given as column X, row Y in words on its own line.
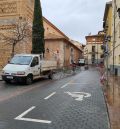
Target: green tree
column 37, row 30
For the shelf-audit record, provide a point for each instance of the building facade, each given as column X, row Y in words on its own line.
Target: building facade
column 12, row 11
column 92, row 51
column 112, row 28
column 116, row 37
column 107, row 25
column 57, row 44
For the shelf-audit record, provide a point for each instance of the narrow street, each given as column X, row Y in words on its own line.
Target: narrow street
column 75, row 102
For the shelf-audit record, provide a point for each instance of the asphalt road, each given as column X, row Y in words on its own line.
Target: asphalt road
column 75, row 102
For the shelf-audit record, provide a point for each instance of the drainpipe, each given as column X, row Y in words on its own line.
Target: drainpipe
column 114, row 24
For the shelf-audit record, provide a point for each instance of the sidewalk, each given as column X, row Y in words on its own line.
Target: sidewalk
column 112, row 95
column 113, row 101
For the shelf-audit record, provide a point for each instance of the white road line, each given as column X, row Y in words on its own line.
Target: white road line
column 20, row 117
column 50, row 95
column 64, row 86
column 79, row 83
column 35, row 120
column 73, row 84
column 24, row 113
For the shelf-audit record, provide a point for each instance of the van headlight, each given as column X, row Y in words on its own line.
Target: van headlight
column 21, row 73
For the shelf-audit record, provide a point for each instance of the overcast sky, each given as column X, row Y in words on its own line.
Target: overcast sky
column 75, row 18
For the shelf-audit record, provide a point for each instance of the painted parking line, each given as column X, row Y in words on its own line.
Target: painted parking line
column 21, row 117
column 79, row 83
column 64, row 86
column 73, row 84
column 50, row 96
column 67, row 84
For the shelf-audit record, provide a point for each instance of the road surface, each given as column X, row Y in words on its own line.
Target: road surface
column 75, row 102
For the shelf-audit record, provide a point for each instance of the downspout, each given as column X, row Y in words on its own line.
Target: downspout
column 114, row 24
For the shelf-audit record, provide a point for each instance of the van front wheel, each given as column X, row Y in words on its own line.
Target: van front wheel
column 50, row 76
column 7, row 81
column 29, row 80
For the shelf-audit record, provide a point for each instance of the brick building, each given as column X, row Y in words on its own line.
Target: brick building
column 93, row 51
column 57, row 44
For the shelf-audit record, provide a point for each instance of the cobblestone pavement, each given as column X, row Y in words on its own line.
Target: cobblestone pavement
column 75, row 102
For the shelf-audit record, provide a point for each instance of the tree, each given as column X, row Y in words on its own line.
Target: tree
column 38, row 30
column 19, row 32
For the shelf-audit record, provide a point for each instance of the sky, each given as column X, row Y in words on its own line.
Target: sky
column 75, row 18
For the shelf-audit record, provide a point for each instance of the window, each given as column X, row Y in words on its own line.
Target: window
column 119, row 59
column 93, row 48
column 35, row 60
column 21, row 60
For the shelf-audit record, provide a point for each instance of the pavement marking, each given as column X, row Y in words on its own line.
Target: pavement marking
column 21, row 117
column 79, row 96
column 50, row 96
column 73, row 84
column 67, row 84
column 64, row 86
column 26, row 112
column 79, row 83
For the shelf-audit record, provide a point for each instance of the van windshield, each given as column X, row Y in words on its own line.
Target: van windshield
column 21, row 60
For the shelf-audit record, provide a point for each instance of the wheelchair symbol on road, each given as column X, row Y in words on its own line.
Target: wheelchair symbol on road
column 79, row 96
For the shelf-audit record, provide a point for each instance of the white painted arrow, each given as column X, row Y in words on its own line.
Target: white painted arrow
column 79, row 95
column 21, row 117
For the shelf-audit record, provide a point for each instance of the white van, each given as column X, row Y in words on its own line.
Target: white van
column 81, row 62
column 27, row 67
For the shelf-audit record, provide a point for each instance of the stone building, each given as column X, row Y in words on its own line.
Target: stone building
column 116, row 37
column 107, row 25
column 57, row 44
column 112, row 28
column 93, row 52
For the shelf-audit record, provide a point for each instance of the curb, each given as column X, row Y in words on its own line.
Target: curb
column 107, row 108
